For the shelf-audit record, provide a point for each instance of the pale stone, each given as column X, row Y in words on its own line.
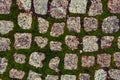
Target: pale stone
column 114, row 74
column 68, row 77
column 40, row 6
column 84, row 76
column 24, row 4
column 36, row 59
column 34, row 76
column 110, row 24
column 51, row 77
column 6, row 26
column 22, row 40
column 41, row 41
column 3, row 65
column 70, row 61
column 72, row 42
column 54, row 63
column 90, row 44
column 95, row 8
column 58, row 8
column 5, row 6
column 4, row 44
column 16, row 74
column 78, row 6
column 43, row 25
column 104, row 60
column 57, row 29
column 55, row 46
column 73, row 24
column 25, row 20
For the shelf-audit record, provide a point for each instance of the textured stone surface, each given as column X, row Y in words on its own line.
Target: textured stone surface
column 25, row 20
column 73, row 24
column 104, row 60
column 114, row 6
column 6, row 26
column 88, row 61
column 54, row 63
column 3, row 65
column 95, row 8
column 24, row 4
column 34, row 76
column 58, row 8
column 114, row 74
column 72, row 42
column 118, row 42
column 68, row 77
column 19, row 58
column 40, row 6
column 41, row 41
column 57, row 29
column 117, row 58
column 4, row 44
column 36, row 59
column 16, row 74
column 106, row 41
column 5, row 6
column 110, row 24
column 55, row 46
column 70, row 61
column 90, row 43
column 43, row 25
column 51, row 77
column 22, row 40
column 78, row 6
column 90, row 24
column 84, row 76
column 100, row 75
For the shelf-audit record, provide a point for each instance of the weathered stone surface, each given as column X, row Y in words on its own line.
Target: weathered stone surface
column 90, row 24
column 19, row 58
column 16, row 74
column 54, row 63
column 118, row 42
column 114, row 74
column 106, row 41
column 78, row 6
column 70, row 61
column 22, row 40
column 25, row 20
column 114, row 6
column 72, row 42
column 4, row 44
column 100, row 75
column 73, row 24
column 55, row 46
column 24, row 4
column 90, row 43
column 5, row 6
column 84, row 76
column 110, row 24
column 34, row 76
column 36, row 59
column 95, row 8
column 57, row 29
column 58, row 8
column 6, row 26
column 40, row 6
column 51, row 77
column 88, row 61
column 3, row 65
column 41, row 41
column 43, row 25
column 104, row 60
column 68, row 77
column 117, row 58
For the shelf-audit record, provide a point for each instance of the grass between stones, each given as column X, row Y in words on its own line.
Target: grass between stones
column 49, row 54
